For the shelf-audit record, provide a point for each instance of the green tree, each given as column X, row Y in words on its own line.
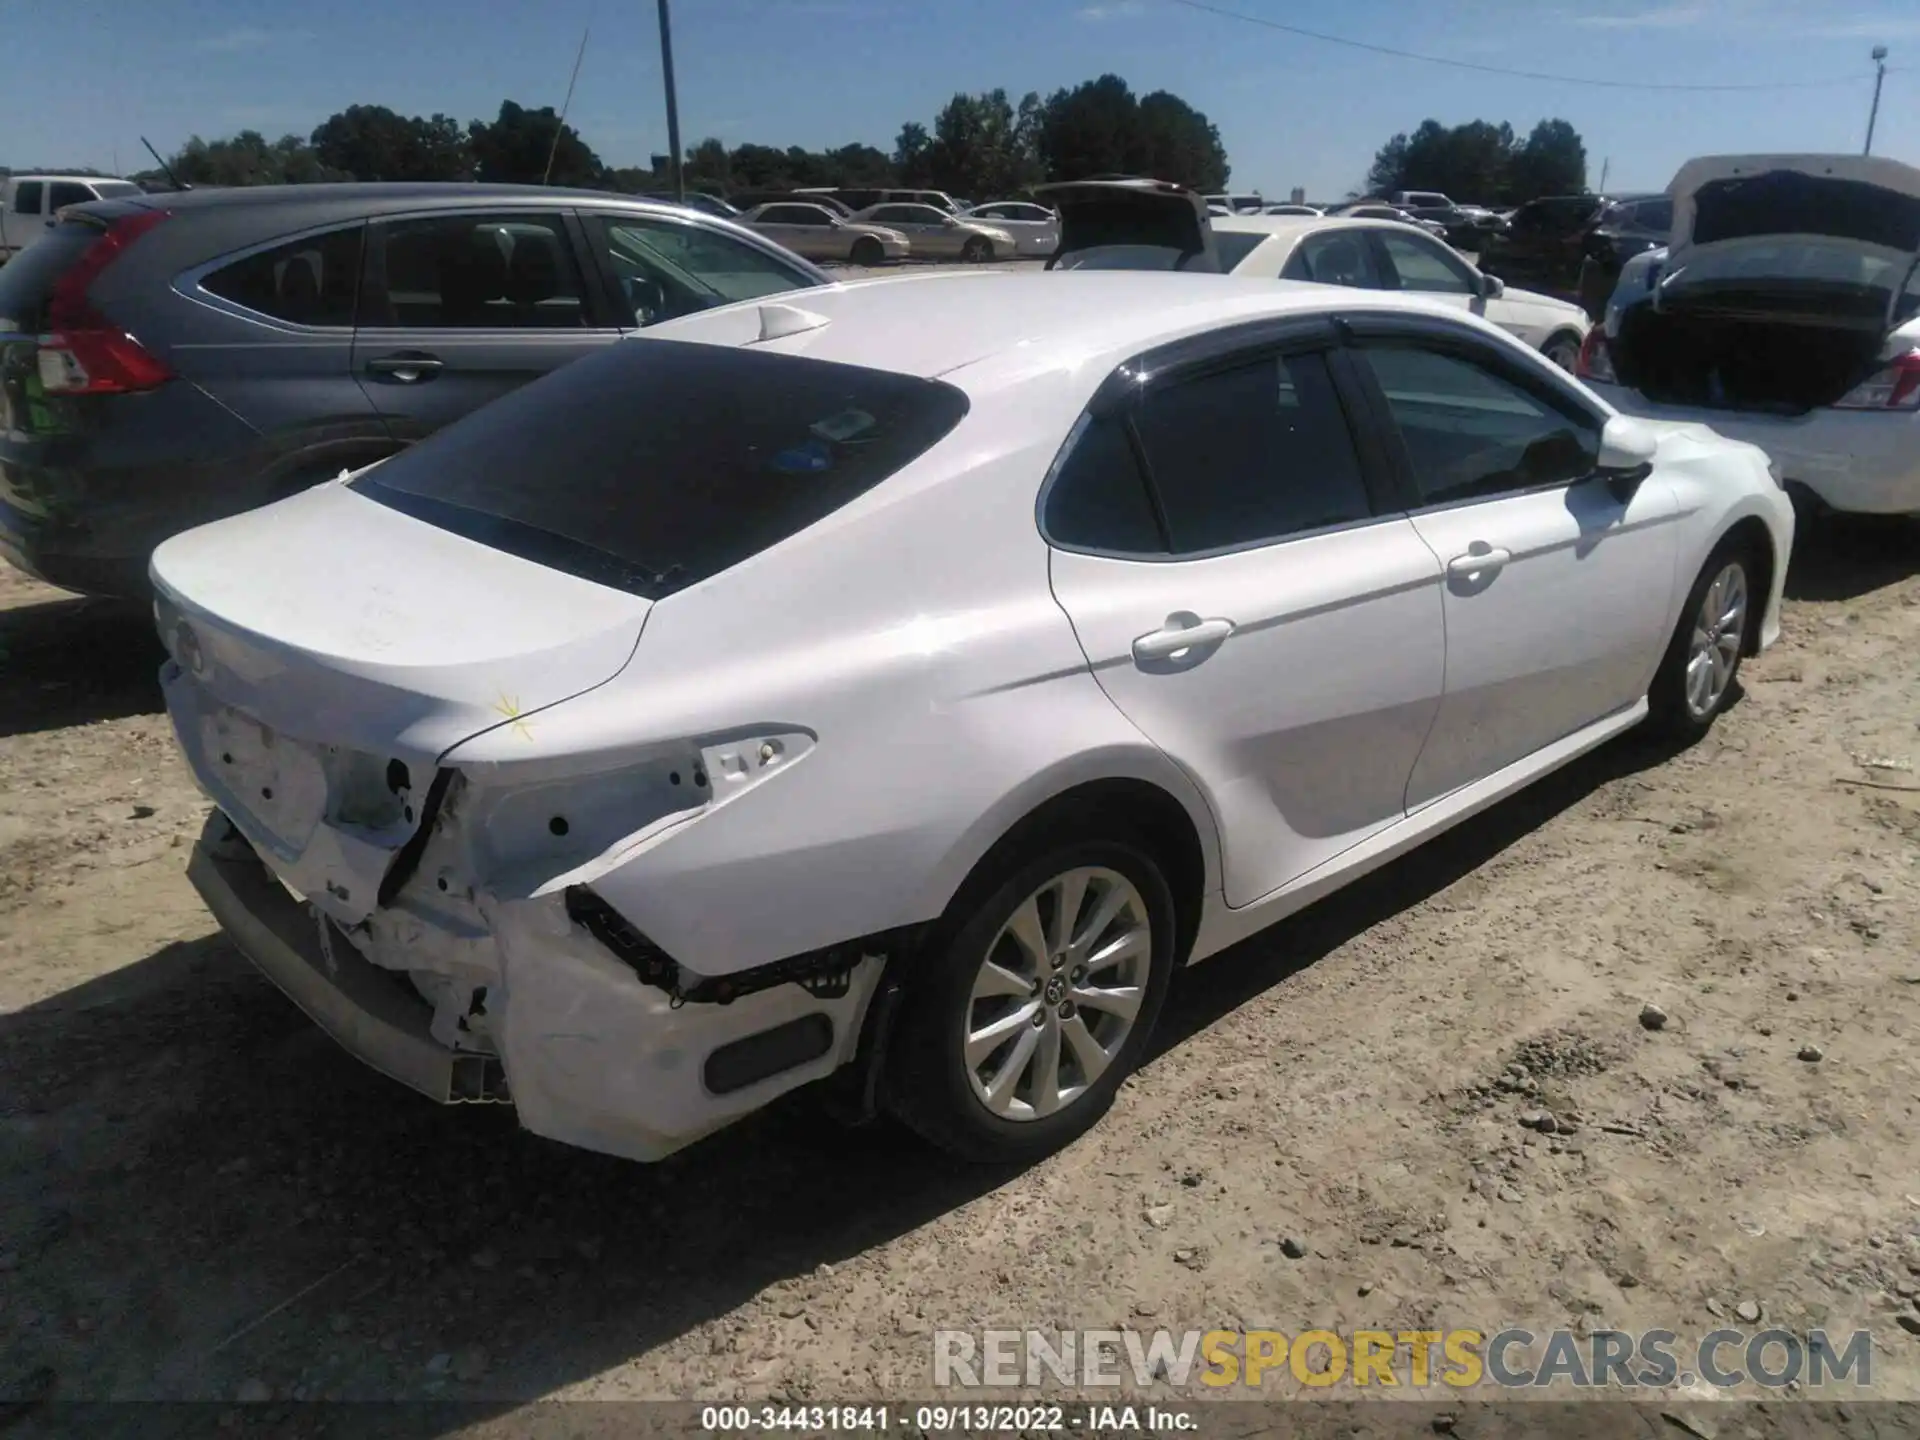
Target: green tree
column 371, row 142
column 1099, row 128
column 1181, row 144
column 1482, row 162
column 912, row 154
column 249, row 158
column 513, row 149
column 1552, row 162
column 978, row 149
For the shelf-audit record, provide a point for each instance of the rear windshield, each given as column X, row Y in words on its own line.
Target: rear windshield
column 27, row 280
column 658, row 463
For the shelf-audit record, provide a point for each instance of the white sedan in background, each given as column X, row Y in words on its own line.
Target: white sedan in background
column 1786, row 311
column 594, row 757
column 1035, row 228
column 1099, row 217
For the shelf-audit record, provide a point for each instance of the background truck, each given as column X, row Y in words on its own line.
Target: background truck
column 28, row 204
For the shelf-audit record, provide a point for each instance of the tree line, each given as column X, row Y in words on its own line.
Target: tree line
column 1482, row 163
column 984, row 146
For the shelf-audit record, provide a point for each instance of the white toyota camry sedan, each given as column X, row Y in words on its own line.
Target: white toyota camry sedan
column 903, row 679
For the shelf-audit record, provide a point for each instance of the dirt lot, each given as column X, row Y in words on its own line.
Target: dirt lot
column 200, row 1197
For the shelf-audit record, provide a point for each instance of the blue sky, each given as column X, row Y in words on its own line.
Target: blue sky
column 85, row 78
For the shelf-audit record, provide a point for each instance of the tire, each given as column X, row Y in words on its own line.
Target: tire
column 1681, row 705
column 868, row 251
column 977, row 250
column 1564, row 351
column 929, row 1083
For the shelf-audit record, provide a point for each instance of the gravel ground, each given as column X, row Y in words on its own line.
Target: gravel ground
column 200, row 1197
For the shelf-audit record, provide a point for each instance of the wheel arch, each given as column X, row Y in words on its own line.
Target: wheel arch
column 1148, row 796
column 1756, row 538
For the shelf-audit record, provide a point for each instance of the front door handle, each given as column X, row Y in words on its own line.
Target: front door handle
column 1478, row 562
column 1177, row 636
column 406, row 368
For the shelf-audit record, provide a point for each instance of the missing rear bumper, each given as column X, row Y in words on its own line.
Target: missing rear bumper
column 367, row 1010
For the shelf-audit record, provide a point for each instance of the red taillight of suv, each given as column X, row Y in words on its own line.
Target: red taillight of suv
column 82, row 353
column 1594, row 362
column 1896, row 387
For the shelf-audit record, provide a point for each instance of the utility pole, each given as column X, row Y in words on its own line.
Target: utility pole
column 673, row 103
column 1880, row 75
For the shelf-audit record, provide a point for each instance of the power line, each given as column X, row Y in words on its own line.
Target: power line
column 1501, row 69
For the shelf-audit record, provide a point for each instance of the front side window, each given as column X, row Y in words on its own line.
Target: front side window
column 487, row 272
column 1251, row 454
column 667, row 270
column 653, row 465
column 310, row 281
column 1420, row 265
column 896, row 215
column 26, row 199
column 65, row 192
column 797, row 215
column 1335, row 257
column 1473, row 434
column 1654, row 215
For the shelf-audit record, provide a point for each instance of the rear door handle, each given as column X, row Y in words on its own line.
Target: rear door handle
column 1478, row 562
column 1176, row 637
column 407, row 369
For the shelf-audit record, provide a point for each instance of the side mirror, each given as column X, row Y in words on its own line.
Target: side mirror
column 1627, row 448
column 1492, row 287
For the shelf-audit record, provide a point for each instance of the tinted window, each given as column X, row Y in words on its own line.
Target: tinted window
column 666, row 270
column 1099, row 499
column 1656, row 215
column 495, row 272
column 1470, row 432
column 1234, row 246
column 652, row 465
column 1250, row 454
column 1422, row 265
column 115, row 189
column 1336, row 257
column 305, row 282
column 897, row 215
column 26, row 200
column 67, row 193
column 797, row 215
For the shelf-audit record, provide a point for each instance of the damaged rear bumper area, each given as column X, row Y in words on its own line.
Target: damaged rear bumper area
column 586, row 1051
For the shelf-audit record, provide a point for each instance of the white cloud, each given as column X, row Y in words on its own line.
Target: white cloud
column 247, row 38
column 1670, row 17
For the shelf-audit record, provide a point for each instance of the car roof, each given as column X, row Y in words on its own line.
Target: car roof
column 983, row 330
column 1294, row 226
column 373, row 195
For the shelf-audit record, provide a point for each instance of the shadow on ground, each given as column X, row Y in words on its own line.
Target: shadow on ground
column 1842, row 557
column 181, row 1152
column 72, row 662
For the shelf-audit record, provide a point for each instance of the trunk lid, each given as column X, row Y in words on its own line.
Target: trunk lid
column 336, row 619
column 1830, row 239
column 1130, row 224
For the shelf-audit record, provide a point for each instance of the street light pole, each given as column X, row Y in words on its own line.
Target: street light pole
column 1880, row 75
column 673, row 103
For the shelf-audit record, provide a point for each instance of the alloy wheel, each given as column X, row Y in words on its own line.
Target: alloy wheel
column 1057, row 993
column 1713, row 651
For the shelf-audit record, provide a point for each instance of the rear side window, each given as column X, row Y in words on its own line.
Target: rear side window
column 26, row 199
column 310, row 281
column 65, row 192
column 1098, row 499
column 1233, row 246
column 1252, row 454
column 731, row 452
column 1335, row 257
column 479, row 272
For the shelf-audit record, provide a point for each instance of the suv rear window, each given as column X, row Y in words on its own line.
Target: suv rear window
column 657, row 463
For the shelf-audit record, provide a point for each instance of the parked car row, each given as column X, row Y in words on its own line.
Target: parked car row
column 1147, row 225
